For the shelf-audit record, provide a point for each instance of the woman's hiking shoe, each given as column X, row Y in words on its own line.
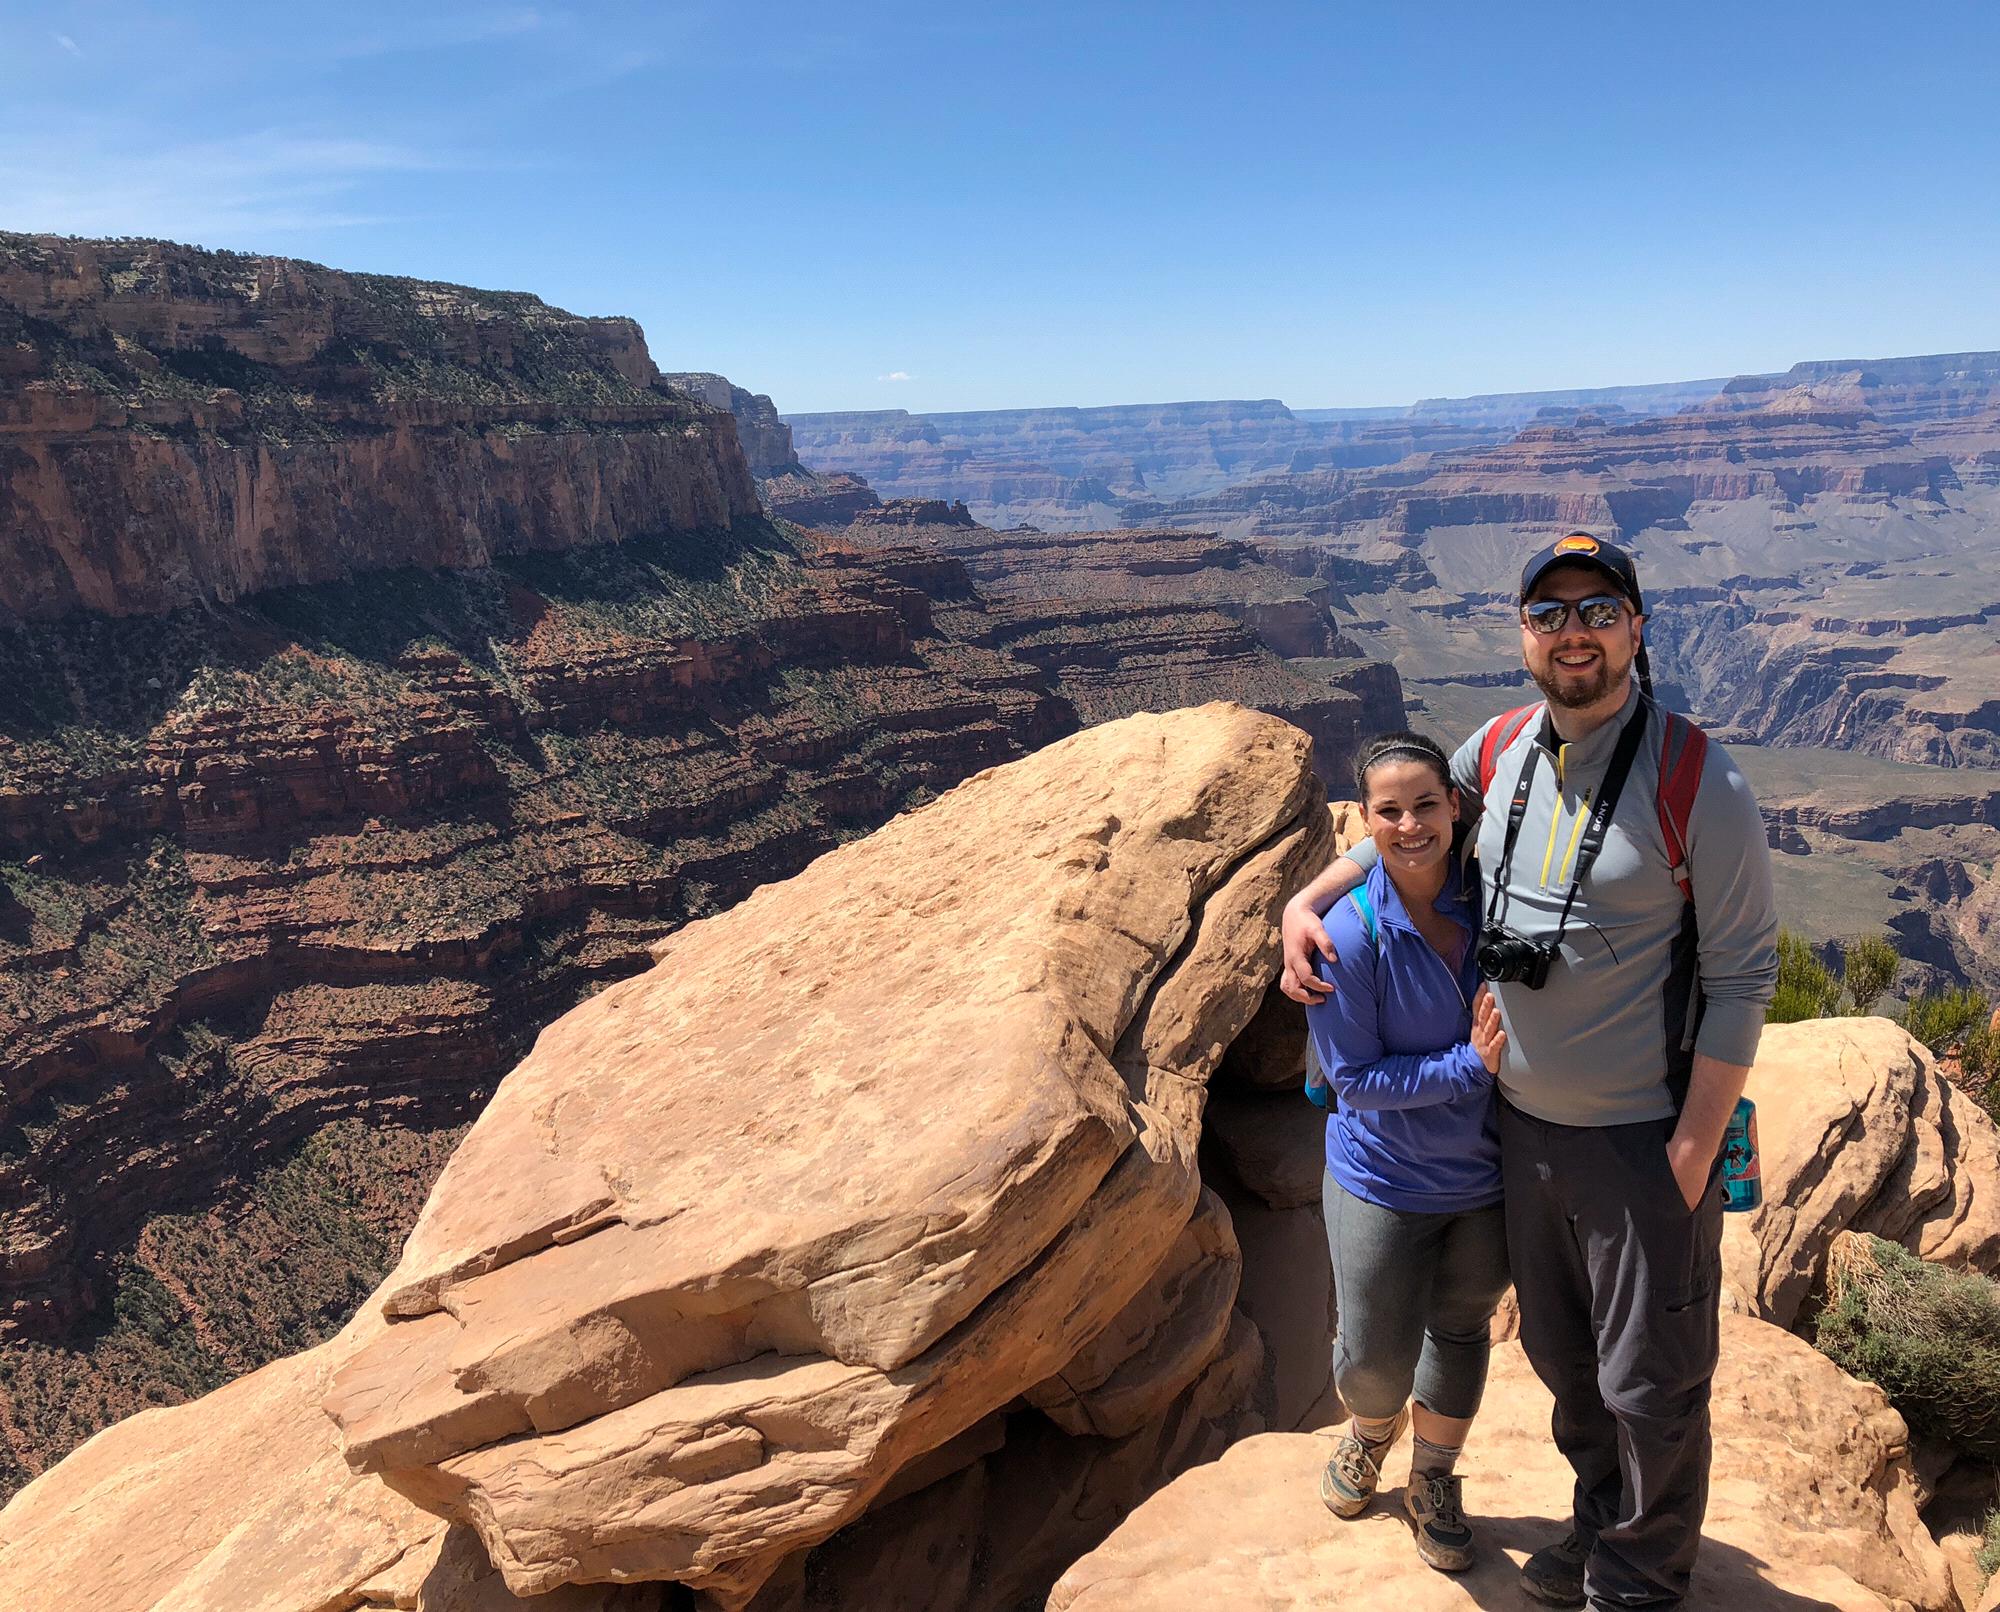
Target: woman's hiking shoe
column 1348, row 1483
column 1435, row 1504
column 1554, row 1574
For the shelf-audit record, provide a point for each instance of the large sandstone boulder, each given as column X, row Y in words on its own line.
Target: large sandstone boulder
column 1813, row 1507
column 762, row 1238
column 1858, row 1131
column 995, row 1534
column 1270, row 1054
column 851, row 1167
column 240, row 1500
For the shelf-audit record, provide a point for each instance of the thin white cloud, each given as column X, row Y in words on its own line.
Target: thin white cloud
column 895, row 375
column 67, row 44
column 444, row 33
column 210, row 192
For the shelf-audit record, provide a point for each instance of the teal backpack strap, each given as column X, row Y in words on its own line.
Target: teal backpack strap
column 1359, row 896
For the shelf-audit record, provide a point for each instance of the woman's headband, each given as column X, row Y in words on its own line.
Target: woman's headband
column 1410, row 752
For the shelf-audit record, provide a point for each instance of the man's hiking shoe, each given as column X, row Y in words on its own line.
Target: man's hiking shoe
column 1348, row 1483
column 1554, row 1574
column 1434, row 1505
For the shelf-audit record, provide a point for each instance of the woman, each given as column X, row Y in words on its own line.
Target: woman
column 1409, row 1045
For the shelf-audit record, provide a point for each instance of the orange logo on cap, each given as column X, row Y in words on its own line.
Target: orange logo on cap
column 1577, row 543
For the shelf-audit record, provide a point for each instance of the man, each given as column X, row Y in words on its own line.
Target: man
column 1621, row 1068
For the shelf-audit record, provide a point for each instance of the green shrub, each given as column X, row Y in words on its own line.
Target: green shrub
column 1940, row 1019
column 1930, row 1337
column 1807, row 988
column 1868, row 968
column 1979, row 1058
column 1989, row 1546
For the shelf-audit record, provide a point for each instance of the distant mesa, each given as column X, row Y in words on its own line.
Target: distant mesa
column 916, row 512
column 1069, row 466
column 1941, row 386
column 812, row 498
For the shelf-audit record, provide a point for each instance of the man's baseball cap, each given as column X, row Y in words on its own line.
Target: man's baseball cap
column 1580, row 548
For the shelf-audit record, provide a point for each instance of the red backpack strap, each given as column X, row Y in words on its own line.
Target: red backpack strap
column 1683, row 751
column 1503, row 732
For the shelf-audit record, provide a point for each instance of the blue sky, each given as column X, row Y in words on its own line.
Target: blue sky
column 886, row 205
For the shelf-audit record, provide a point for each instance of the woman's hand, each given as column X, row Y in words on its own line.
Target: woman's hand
column 1305, row 935
column 1488, row 1039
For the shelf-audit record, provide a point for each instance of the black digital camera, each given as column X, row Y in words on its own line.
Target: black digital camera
column 1510, row 959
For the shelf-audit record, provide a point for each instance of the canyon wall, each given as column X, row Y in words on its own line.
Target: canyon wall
column 181, row 426
column 354, row 841
column 1126, row 621
column 385, row 672
column 1509, row 411
column 1070, row 468
column 1076, row 468
column 766, row 439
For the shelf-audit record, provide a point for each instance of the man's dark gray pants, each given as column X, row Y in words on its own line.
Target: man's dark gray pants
column 1618, row 1287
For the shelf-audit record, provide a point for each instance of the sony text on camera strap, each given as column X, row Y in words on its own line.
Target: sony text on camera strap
column 1594, row 831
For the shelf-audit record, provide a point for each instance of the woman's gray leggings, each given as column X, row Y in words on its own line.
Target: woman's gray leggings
column 1415, row 1294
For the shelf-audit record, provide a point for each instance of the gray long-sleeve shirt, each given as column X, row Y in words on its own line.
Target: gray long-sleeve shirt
column 1607, row 1041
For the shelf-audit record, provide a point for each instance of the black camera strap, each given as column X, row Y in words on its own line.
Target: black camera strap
column 1517, row 812
column 1594, row 831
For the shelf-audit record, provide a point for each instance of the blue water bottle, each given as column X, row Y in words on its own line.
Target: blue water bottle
column 1742, row 1181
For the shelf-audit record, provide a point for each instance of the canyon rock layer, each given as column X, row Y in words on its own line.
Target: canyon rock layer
column 182, row 426
column 886, row 1243
column 1070, row 469
column 1125, row 621
column 390, row 664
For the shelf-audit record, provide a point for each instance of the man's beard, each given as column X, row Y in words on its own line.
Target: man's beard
column 1573, row 694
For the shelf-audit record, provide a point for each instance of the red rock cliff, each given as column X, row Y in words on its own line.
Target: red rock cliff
column 179, row 426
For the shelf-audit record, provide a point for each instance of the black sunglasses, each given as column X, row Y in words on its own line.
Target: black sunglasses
column 1599, row 611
